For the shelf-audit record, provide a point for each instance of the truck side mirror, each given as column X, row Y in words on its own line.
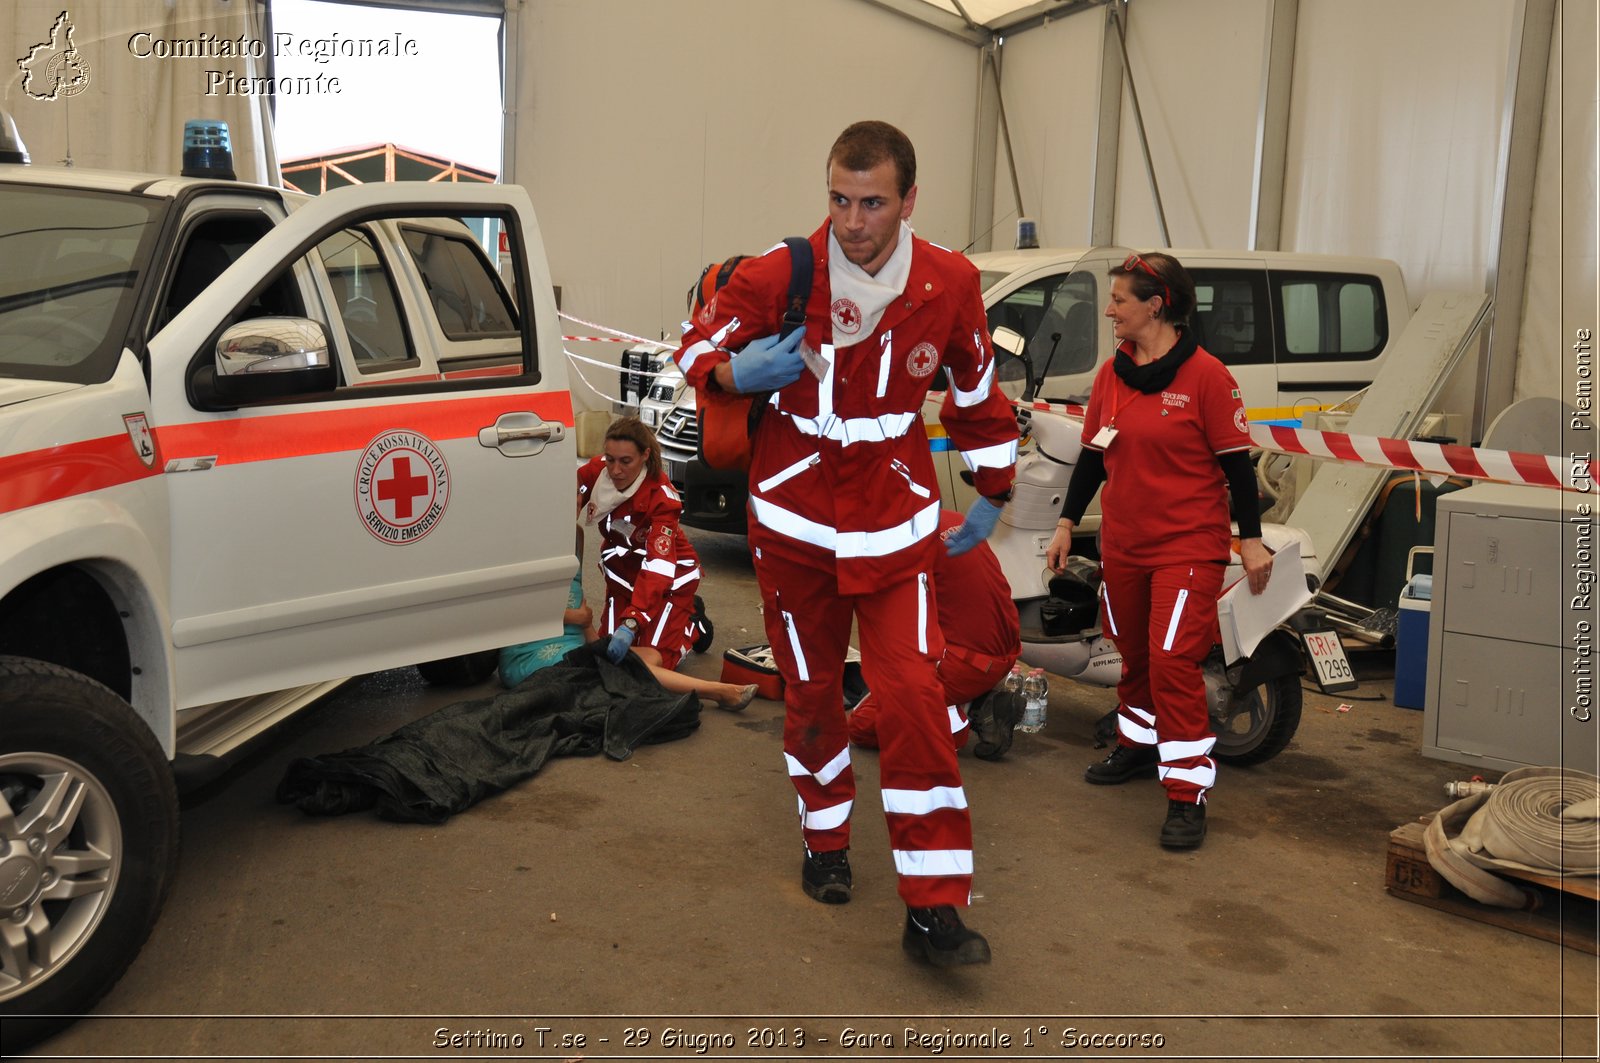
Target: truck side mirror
column 272, row 357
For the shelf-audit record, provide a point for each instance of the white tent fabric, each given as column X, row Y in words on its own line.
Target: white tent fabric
column 1197, row 68
column 1565, row 226
column 129, row 109
column 702, row 131
column 1397, row 156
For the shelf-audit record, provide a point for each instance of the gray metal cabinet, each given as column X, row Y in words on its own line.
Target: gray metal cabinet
column 1511, row 655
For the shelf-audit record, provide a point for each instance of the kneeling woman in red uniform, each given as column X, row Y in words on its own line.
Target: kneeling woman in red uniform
column 651, row 571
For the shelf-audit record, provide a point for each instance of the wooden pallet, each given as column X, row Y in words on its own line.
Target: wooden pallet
column 1565, row 911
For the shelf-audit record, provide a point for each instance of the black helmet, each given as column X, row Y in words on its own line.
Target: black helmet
column 1073, row 604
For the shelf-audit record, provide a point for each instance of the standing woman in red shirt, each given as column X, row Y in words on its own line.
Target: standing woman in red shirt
column 1166, row 431
column 651, row 571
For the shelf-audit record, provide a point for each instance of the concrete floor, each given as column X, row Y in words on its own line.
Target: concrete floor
column 661, row 894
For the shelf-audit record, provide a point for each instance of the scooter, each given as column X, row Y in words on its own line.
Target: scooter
column 1255, row 701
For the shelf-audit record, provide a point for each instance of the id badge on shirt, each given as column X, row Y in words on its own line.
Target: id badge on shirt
column 1102, row 439
column 623, row 529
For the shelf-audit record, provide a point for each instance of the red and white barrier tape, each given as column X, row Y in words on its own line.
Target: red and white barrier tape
column 1439, row 459
column 621, row 337
column 1040, row 406
column 1434, row 459
column 618, row 369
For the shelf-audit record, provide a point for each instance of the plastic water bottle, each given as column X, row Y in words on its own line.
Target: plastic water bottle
column 1012, row 683
column 1036, row 695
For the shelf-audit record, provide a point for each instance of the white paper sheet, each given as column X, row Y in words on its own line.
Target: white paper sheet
column 1246, row 618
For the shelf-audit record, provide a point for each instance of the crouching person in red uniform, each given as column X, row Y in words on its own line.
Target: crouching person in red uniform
column 651, row 571
column 844, row 512
column 1166, row 431
column 982, row 640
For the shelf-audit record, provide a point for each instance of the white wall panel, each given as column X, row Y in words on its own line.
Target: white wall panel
column 1394, row 133
column 656, row 137
column 1198, row 71
column 1561, row 281
column 1050, row 77
column 1394, row 140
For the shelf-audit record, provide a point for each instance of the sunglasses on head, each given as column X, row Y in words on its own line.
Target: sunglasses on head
column 1133, row 262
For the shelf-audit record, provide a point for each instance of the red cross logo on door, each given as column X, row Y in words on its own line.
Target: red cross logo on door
column 402, row 488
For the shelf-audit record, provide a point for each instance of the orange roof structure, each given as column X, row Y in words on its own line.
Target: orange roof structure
column 373, row 163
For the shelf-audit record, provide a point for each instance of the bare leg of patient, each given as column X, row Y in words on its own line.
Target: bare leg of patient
column 725, row 695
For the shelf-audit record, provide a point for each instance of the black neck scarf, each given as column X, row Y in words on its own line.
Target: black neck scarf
column 1155, row 375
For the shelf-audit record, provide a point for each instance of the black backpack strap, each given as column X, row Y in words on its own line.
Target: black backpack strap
column 800, row 266
column 794, row 310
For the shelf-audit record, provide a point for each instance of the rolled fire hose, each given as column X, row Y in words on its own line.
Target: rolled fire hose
column 1541, row 820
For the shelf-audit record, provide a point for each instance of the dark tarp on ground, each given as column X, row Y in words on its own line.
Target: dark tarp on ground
column 445, row 762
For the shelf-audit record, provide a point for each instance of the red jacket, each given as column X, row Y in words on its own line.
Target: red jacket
column 841, row 476
column 644, row 556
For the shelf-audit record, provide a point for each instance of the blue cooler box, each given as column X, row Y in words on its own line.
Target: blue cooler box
column 1411, row 646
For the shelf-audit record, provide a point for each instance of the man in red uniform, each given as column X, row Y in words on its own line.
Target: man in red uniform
column 844, row 511
column 982, row 640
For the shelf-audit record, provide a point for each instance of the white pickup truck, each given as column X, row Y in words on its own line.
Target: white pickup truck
column 1299, row 331
column 251, row 443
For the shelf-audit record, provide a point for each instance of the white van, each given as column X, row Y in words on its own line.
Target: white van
column 1299, row 331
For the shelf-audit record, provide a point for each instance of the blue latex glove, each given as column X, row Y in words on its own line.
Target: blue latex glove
column 768, row 363
column 979, row 523
column 621, row 641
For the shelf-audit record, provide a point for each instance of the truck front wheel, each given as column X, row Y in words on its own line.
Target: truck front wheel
column 88, row 843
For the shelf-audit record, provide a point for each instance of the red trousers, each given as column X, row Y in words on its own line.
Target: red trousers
column 1164, row 622
column 808, row 625
column 965, row 674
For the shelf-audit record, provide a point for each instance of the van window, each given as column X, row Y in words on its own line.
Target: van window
column 1057, row 316
column 1231, row 319
column 1328, row 315
column 466, row 296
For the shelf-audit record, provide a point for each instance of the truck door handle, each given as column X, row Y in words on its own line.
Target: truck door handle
column 518, row 435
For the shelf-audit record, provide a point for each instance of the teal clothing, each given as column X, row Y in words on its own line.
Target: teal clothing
column 519, row 662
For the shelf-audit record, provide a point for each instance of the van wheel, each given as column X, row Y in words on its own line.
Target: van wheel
column 88, row 843
column 464, row 671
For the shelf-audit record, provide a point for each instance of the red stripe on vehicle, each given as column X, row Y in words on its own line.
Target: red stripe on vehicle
column 54, row 473
column 71, row 469
column 296, row 435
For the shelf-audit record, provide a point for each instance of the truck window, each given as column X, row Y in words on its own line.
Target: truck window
column 210, row 247
column 364, row 298
column 468, row 299
column 1331, row 315
column 1230, row 318
column 71, row 265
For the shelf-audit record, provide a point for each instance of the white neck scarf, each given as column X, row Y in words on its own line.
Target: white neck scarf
column 605, row 497
column 859, row 297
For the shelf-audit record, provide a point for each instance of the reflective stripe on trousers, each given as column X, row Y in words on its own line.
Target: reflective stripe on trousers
column 808, row 627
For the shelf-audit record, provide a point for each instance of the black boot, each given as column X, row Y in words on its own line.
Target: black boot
column 993, row 717
column 826, row 876
column 1124, row 763
column 938, row 936
column 1185, row 827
